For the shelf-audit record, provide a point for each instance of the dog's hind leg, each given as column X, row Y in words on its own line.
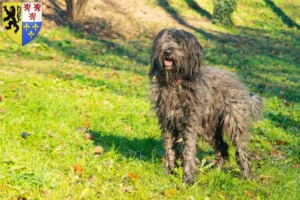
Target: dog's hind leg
column 243, row 158
column 170, row 147
column 236, row 125
column 189, row 156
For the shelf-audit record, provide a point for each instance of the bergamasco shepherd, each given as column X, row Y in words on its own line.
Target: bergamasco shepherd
column 194, row 101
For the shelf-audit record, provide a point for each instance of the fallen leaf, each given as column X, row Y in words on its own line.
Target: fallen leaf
column 288, row 104
column 99, row 103
column 264, row 177
column 98, row 150
column 88, row 136
column 73, row 84
column 127, row 128
column 78, row 169
column 280, row 152
column 134, row 78
column 248, row 193
column 274, row 154
column 133, row 176
column 2, row 110
column 179, row 140
column 281, row 142
column 169, row 192
column 87, row 124
column 257, row 157
column 127, row 189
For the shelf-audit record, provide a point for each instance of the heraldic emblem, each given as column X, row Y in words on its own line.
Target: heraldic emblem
column 22, row 21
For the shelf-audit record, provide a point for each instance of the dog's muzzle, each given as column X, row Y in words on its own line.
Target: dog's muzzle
column 168, row 61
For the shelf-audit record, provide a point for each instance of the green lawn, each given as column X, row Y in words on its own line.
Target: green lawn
column 65, row 85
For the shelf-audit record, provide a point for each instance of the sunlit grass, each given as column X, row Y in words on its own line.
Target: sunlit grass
column 65, row 85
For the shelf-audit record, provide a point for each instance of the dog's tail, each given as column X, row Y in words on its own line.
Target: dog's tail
column 256, row 106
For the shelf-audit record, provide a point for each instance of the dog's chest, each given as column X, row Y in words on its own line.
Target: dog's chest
column 172, row 108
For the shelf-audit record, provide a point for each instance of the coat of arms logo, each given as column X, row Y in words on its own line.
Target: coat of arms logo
column 22, row 21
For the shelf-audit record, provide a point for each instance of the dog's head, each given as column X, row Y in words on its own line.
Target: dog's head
column 177, row 54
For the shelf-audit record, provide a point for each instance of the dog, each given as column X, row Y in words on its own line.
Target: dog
column 195, row 101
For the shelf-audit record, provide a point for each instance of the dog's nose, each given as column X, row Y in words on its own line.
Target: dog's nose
column 168, row 52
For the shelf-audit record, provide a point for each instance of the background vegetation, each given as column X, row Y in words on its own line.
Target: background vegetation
column 75, row 121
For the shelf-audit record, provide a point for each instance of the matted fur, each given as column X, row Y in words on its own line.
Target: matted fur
column 193, row 101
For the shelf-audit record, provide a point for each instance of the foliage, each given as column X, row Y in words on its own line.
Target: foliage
column 223, row 10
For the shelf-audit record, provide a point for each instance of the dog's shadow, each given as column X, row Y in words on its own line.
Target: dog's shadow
column 138, row 148
column 146, row 149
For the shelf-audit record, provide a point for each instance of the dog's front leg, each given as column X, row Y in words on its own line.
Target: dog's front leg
column 170, row 151
column 189, row 153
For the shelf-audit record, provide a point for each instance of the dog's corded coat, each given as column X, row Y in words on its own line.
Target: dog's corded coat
column 193, row 101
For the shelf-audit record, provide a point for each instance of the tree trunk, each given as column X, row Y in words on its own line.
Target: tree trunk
column 76, row 8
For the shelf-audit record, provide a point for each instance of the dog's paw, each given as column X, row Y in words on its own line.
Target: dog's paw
column 169, row 164
column 247, row 174
column 188, row 179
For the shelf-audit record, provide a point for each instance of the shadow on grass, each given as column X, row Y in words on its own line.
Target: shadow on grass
column 284, row 18
column 101, row 49
column 121, row 89
column 194, row 5
column 285, row 122
column 165, row 5
column 142, row 149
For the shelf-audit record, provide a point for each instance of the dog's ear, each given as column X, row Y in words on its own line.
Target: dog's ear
column 193, row 56
column 155, row 64
column 154, row 68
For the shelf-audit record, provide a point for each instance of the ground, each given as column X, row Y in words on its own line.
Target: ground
column 75, row 119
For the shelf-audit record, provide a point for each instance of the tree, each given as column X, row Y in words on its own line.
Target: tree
column 222, row 11
column 76, row 8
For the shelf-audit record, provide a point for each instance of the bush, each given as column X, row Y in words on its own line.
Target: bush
column 222, row 11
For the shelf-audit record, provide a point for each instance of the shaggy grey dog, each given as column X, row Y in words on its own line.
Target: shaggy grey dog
column 193, row 101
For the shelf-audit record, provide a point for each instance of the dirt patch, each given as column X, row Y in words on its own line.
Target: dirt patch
column 125, row 19
column 112, row 18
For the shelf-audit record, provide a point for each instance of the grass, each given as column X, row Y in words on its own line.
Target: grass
column 65, row 85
